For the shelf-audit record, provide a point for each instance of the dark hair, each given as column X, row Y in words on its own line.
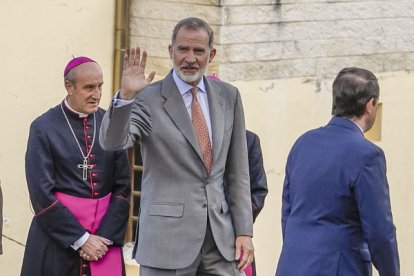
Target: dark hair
column 352, row 89
column 194, row 23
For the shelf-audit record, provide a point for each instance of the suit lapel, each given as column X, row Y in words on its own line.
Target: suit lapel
column 216, row 106
column 175, row 108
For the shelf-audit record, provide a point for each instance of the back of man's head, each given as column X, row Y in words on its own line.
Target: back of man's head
column 352, row 89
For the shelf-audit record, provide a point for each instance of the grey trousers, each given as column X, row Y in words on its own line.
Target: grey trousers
column 209, row 262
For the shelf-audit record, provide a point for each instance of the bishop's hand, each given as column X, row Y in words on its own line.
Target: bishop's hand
column 94, row 248
column 133, row 75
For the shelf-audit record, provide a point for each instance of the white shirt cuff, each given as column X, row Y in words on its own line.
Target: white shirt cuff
column 118, row 102
column 79, row 243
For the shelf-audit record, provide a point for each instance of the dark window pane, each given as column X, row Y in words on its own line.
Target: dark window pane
column 134, row 229
column 137, row 180
column 135, row 210
column 136, row 176
column 138, row 158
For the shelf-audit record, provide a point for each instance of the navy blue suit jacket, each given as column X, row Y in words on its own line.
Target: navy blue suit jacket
column 336, row 214
column 258, row 180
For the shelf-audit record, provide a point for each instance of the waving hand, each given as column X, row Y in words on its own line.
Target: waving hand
column 133, row 76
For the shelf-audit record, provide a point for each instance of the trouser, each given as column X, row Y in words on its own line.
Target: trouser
column 209, row 262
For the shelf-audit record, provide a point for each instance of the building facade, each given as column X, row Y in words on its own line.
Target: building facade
column 281, row 54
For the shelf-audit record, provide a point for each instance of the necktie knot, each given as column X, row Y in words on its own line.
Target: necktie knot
column 194, row 91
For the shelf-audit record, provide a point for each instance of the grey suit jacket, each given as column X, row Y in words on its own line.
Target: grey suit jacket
column 178, row 197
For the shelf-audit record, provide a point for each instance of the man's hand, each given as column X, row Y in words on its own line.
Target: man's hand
column 133, row 75
column 244, row 252
column 94, row 248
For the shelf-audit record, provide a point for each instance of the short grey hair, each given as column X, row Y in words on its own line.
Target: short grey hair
column 194, row 23
column 71, row 76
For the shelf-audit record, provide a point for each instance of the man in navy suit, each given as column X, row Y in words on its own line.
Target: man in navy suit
column 336, row 213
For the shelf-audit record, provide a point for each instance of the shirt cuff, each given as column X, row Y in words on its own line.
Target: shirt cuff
column 118, row 102
column 79, row 243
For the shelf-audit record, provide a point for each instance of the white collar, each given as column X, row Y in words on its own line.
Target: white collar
column 356, row 124
column 81, row 115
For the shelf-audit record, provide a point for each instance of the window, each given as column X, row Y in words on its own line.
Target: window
column 135, row 161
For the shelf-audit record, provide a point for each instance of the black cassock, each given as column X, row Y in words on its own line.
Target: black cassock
column 52, row 160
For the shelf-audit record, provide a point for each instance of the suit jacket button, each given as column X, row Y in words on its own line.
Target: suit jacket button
column 204, row 205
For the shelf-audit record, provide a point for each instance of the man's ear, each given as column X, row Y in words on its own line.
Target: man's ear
column 212, row 55
column 69, row 87
column 369, row 107
column 170, row 50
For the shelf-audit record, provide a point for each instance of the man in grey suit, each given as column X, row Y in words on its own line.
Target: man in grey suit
column 191, row 146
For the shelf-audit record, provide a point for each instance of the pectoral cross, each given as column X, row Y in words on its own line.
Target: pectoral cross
column 85, row 168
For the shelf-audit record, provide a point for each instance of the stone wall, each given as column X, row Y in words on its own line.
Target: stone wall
column 268, row 39
column 152, row 23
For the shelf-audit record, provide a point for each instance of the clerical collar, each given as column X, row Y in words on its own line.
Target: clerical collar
column 81, row 115
column 184, row 87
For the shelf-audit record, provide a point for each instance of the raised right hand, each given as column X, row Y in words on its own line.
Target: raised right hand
column 133, row 76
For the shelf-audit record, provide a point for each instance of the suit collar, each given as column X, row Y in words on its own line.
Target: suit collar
column 175, row 108
column 217, row 107
column 346, row 123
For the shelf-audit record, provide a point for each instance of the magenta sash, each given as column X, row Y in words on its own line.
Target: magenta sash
column 89, row 212
column 249, row 270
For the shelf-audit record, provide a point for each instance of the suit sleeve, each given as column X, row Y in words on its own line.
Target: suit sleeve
column 258, row 181
column 286, row 204
column 286, row 198
column 373, row 200
column 114, row 223
column 123, row 126
column 237, row 175
column 54, row 218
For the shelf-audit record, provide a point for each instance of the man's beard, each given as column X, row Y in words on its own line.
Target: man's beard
column 190, row 78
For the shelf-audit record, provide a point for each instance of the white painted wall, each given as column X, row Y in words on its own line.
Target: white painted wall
column 38, row 38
